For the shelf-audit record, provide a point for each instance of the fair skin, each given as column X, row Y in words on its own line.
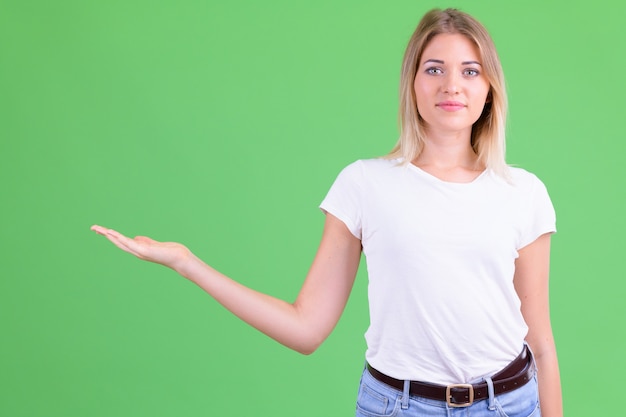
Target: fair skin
column 532, row 269
column 302, row 325
column 451, row 92
column 443, row 77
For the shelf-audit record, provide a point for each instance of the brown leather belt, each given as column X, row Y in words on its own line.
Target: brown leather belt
column 515, row 375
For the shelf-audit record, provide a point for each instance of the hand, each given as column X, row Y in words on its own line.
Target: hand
column 170, row 254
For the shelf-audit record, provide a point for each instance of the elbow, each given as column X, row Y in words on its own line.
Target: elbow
column 308, row 345
column 307, row 350
column 307, row 334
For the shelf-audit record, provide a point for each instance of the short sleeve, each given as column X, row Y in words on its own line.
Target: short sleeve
column 541, row 217
column 344, row 199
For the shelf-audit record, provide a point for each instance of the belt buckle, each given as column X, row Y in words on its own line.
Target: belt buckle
column 470, row 389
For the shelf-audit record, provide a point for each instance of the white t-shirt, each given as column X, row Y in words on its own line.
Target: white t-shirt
column 440, row 259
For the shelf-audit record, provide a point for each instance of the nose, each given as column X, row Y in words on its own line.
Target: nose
column 450, row 84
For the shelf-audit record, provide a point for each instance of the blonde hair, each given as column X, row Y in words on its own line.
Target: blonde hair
column 488, row 132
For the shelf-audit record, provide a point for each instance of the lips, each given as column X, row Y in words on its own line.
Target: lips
column 451, row 105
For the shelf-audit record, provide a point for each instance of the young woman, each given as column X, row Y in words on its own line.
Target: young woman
column 457, row 246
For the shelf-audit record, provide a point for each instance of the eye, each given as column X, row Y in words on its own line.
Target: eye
column 471, row 72
column 434, row 71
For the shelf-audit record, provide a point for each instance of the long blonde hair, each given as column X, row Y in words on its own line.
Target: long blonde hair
column 488, row 132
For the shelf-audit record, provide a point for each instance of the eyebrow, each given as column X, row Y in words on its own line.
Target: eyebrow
column 439, row 61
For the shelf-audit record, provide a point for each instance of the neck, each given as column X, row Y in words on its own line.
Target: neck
column 448, row 152
column 450, row 158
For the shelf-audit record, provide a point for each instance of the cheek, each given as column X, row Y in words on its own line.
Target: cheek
column 421, row 96
column 484, row 92
column 422, row 106
column 422, row 88
column 479, row 98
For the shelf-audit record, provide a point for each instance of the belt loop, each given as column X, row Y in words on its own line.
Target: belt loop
column 405, row 394
column 530, row 352
column 492, row 405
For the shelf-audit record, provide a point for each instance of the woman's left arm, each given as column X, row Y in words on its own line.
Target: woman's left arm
column 532, row 270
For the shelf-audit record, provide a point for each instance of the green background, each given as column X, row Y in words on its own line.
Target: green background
column 222, row 125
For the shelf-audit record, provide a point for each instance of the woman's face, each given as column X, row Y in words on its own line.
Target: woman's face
column 450, row 87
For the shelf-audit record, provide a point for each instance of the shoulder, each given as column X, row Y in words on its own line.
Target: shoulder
column 364, row 173
column 521, row 178
column 527, row 186
column 373, row 166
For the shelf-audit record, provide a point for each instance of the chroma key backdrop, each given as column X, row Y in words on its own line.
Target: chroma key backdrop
column 222, row 125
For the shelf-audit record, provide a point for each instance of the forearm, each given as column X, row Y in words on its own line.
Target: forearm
column 302, row 325
column 276, row 318
column 549, row 381
column 532, row 285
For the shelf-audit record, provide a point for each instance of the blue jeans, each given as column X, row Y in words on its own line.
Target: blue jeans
column 376, row 399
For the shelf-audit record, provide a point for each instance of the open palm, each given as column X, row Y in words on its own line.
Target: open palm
column 169, row 254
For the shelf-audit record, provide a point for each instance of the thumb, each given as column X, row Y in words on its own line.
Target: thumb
column 144, row 239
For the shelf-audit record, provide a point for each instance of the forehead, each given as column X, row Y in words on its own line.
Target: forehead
column 451, row 47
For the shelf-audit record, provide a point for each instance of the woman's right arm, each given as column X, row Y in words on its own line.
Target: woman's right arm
column 302, row 325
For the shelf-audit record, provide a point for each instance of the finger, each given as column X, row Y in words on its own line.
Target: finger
column 118, row 239
column 145, row 239
column 122, row 246
column 105, row 231
column 125, row 243
column 139, row 246
column 99, row 229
